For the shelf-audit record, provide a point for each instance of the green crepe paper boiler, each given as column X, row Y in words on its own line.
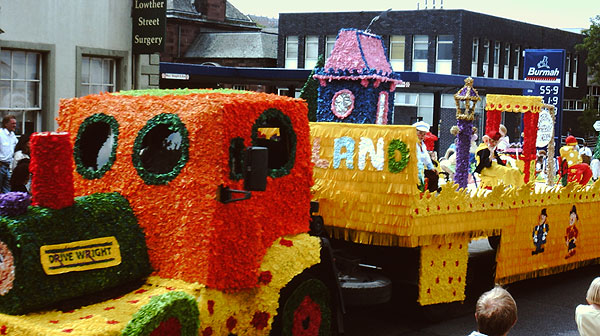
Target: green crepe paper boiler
column 50, row 255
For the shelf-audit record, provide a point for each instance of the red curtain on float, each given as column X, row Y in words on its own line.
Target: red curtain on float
column 530, row 125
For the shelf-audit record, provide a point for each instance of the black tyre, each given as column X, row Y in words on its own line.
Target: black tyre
column 365, row 289
column 170, row 314
column 494, row 242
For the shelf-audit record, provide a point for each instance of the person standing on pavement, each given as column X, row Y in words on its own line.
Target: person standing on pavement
column 495, row 312
column 8, row 141
column 587, row 316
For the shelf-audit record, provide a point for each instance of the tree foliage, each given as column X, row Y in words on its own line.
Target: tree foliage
column 589, row 116
column 310, row 89
column 591, row 45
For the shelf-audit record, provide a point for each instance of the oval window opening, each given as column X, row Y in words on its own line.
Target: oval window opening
column 274, row 130
column 161, row 149
column 95, row 146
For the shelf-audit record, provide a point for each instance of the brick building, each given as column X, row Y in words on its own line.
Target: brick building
column 445, row 42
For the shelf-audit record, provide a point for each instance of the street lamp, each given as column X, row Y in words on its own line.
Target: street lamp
column 465, row 100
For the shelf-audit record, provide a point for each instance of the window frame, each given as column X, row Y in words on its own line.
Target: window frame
column 310, row 61
column 38, row 117
column 120, row 57
column 291, row 61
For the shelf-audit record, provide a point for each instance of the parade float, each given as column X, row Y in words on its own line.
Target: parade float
column 366, row 184
column 187, row 212
column 180, row 225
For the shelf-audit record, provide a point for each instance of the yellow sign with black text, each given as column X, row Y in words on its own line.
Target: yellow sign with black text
column 80, row 255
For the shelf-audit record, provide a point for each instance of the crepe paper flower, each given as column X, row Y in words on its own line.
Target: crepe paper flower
column 231, row 323
column 265, row 277
column 260, row 320
column 14, row 203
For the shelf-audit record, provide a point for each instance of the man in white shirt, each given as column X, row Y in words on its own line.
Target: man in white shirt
column 424, row 163
column 8, row 140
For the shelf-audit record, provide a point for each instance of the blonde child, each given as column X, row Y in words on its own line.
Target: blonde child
column 588, row 316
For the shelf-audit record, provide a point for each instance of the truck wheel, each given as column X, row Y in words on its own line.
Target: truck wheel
column 170, row 314
column 305, row 308
column 365, row 289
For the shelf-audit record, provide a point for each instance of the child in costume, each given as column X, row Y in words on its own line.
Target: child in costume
column 491, row 168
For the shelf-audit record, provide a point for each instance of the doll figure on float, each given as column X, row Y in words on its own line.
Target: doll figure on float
column 491, row 169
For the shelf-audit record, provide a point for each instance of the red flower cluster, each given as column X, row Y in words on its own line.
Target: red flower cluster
column 52, row 169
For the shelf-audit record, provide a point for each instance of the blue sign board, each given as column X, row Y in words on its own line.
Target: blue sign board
column 546, row 68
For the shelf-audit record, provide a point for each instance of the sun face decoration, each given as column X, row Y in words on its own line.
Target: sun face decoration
column 342, row 103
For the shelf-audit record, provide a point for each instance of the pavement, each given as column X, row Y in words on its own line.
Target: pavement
column 546, row 306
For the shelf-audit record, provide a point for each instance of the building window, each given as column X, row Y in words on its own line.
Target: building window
column 506, row 60
column 474, row 57
column 397, row 46
column 443, row 63
column 97, row 75
column 573, row 105
column 329, row 43
column 423, row 102
column 291, row 52
column 486, row 58
column 311, row 51
column 568, row 70
column 496, row 59
column 239, row 87
column 516, row 74
column 575, row 65
column 20, row 88
column 420, row 44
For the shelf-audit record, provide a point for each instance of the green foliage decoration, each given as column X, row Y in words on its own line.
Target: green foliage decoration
column 174, row 304
column 286, row 131
column 396, row 166
column 93, row 216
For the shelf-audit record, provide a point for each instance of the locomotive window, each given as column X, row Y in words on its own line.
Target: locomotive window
column 161, row 149
column 96, row 145
column 274, row 130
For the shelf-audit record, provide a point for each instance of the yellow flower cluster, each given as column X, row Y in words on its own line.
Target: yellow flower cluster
column 286, row 258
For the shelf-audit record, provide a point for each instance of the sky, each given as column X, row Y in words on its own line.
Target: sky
column 548, row 13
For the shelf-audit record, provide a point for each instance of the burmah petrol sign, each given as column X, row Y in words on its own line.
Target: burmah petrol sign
column 546, row 68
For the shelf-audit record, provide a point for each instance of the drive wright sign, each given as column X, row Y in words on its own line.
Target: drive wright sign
column 149, row 26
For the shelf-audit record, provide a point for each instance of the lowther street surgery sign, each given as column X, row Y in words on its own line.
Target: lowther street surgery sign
column 149, row 26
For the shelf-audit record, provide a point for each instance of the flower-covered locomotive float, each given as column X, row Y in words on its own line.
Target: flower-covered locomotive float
column 172, row 185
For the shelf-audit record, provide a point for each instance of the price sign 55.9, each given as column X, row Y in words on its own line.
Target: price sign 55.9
column 550, row 92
